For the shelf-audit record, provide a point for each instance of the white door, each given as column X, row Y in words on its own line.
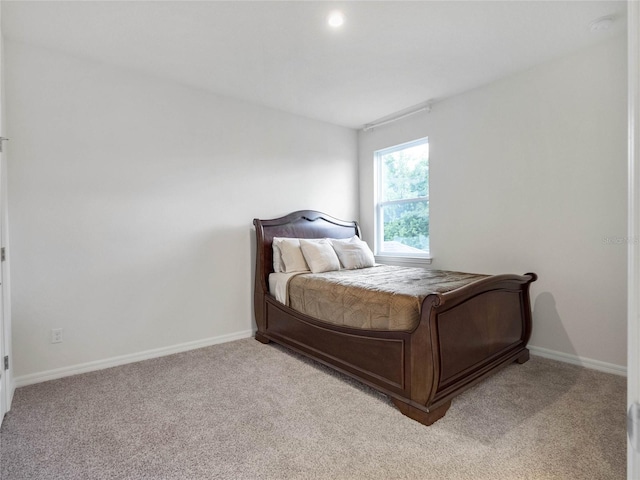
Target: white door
column 5, row 331
column 633, row 360
column 4, row 392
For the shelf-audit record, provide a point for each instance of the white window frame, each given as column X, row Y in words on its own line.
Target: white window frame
column 393, row 257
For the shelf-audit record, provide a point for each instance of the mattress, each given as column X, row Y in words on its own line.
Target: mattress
column 383, row 297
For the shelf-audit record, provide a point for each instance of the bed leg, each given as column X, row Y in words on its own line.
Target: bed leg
column 426, row 418
column 524, row 357
column 261, row 338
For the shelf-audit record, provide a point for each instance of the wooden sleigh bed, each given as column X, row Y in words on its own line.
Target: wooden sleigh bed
column 462, row 335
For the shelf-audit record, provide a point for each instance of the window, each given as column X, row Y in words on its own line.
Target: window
column 402, row 200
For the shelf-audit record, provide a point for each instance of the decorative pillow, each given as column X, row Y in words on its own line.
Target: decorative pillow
column 320, row 255
column 291, row 256
column 353, row 253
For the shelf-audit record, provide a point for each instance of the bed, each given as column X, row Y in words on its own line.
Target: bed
column 461, row 336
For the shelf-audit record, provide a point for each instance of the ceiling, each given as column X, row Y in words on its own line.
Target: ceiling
column 388, row 56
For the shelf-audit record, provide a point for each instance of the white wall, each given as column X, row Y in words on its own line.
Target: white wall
column 132, row 202
column 132, row 199
column 529, row 174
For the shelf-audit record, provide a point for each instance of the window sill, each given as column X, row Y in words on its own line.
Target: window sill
column 403, row 261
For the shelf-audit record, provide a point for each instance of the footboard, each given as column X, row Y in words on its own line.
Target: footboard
column 468, row 334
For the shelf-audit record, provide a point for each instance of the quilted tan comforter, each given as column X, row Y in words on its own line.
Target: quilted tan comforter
column 380, row 298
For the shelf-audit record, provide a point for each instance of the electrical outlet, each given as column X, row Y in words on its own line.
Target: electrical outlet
column 56, row 335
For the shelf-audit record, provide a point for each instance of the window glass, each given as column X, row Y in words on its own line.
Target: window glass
column 402, row 206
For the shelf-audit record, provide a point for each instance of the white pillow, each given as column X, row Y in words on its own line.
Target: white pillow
column 320, row 255
column 278, row 266
column 353, row 253
column 291, row 256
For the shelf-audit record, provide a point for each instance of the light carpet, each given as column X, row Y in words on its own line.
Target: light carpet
column 243, row 410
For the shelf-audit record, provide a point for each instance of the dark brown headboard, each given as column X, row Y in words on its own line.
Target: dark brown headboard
column 300, row 224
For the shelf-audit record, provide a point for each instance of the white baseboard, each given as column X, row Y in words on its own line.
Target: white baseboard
column 32, row 378
column 575, row 360
column 12, row 391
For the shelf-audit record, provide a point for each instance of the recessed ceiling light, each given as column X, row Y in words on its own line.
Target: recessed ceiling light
column 335, row 19
column 602, row 23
